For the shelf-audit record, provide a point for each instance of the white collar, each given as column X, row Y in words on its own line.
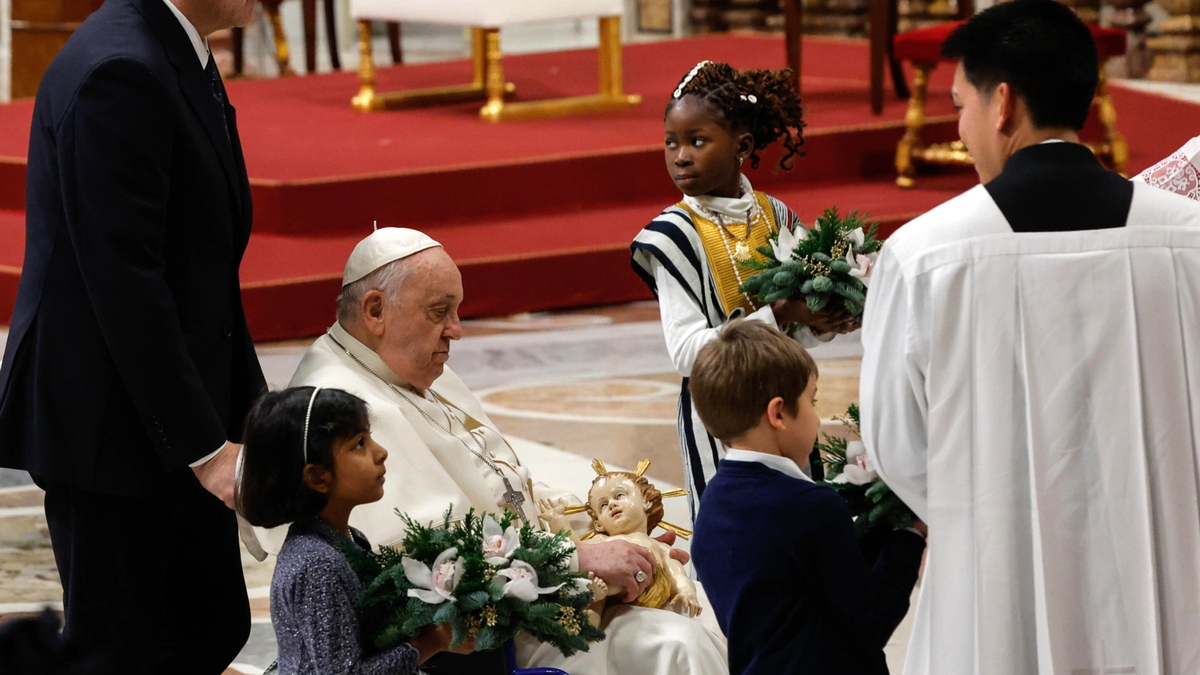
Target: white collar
column 198, row 42
column 780, row 464
column 734, row 208
column 365, row 354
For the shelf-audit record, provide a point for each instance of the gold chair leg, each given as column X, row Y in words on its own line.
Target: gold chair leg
column 914, row 120
column 479, row 56
column 1114, row 146
column 366, row 100
column 612, row 73
column 610, row 97
column 282, row 54
column 493, row 75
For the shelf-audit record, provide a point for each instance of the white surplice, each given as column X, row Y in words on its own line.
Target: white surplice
column 1035, row 398
column 1178, row 172
column 429, row 471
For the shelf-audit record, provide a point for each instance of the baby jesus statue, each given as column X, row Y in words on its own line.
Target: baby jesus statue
column 625, row 505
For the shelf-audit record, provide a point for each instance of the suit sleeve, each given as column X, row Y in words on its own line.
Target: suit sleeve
column 869, row 601
column 892, row 386
column 114, row 157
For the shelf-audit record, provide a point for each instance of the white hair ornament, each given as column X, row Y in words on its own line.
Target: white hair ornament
column 307, row 418
column 688, row 78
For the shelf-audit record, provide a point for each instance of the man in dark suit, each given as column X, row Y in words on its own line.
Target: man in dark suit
column 129, row 367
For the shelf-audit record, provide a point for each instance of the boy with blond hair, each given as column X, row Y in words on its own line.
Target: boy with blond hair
column 777, row 553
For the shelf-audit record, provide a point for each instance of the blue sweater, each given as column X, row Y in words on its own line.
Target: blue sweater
column 783, row 567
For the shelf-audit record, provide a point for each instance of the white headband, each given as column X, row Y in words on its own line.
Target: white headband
column 307, row 418
column 688, row 78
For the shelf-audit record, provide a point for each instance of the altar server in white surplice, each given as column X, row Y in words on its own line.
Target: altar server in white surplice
column 396, row 317
column 1031, row 381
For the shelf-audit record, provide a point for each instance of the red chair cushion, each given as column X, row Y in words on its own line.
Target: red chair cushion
column 924, row 45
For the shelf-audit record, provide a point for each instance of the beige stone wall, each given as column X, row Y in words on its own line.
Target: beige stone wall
column 1176, row 49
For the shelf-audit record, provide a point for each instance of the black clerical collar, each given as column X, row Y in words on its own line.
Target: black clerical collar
column 1060, row 187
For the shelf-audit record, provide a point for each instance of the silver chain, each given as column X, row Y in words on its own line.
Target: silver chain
column 483, row 453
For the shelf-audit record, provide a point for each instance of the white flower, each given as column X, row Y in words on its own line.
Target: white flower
column 522, row 582
column 855, row 236
column 436, row 585
column 787, row 241
column 858, row 469
column 498, row 547
column 860, row 266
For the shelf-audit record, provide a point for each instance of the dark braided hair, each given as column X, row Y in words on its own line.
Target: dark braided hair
column 761, row 102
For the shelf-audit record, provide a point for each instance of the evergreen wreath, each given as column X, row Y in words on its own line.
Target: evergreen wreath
column 872, row 503
column 827, row 265
column 483, row 576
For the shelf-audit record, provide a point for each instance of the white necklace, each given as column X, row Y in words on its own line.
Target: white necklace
column 741, row 251
column 514, row 498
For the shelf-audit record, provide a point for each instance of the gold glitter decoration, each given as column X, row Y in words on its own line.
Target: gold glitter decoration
column 815, row 268
column 488, row 613
column 569, row 620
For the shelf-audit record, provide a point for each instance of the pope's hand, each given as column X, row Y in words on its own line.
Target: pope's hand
column 620, row 564
column 668, row 538
column 219, row 474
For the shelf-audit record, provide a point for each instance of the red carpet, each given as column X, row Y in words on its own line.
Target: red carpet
column 538, row 214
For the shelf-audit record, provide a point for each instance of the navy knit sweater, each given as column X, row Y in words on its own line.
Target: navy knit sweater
column 783, row 567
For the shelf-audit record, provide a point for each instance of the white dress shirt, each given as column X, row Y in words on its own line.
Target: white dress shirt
column 199, row 43
column 777, row 462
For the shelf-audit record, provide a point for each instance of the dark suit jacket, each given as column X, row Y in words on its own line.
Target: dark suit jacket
column 128, row 354
column 788, row 580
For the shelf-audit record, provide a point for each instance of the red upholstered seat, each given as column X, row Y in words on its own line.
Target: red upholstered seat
column 924, row 45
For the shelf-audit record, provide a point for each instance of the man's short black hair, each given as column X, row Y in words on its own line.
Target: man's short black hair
column 1041, row 49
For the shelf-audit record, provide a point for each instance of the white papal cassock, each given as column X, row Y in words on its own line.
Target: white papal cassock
column 430, row 471
column 1035, row 397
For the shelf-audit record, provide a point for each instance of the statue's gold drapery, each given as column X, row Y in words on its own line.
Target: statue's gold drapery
column 489, row 84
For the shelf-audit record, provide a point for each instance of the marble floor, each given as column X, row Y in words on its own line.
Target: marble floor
column 569, row 386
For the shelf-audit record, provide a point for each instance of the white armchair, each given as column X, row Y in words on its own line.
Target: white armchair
column 487, row 17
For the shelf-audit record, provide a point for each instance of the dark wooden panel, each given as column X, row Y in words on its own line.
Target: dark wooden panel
column 39, row 29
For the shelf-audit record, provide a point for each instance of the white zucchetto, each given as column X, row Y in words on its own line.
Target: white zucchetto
column 381, row 247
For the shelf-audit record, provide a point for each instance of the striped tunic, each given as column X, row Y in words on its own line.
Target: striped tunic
column 669, row 256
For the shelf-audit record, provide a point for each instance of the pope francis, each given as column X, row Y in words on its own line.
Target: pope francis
column 397, row 314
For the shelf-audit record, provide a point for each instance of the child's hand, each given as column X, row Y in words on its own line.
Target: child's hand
column 920, row 526
column 434, row 639
column 796, row 311
column 554, row 512
column 686, row 604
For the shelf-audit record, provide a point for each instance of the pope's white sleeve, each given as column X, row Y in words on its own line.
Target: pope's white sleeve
column 684, row 325
column 892, row 389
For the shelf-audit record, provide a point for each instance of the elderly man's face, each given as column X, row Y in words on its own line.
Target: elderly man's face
column 418, row 329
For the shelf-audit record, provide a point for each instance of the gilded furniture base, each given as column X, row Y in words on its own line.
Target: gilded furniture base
column 911, row 151
column 489, row 83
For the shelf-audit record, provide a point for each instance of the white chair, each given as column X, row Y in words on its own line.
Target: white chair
column 487, row 17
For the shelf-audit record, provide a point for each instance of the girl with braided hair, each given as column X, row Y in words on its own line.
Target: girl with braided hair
column 691, row 254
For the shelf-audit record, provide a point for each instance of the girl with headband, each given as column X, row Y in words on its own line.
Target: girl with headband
column 717, row 119
column 309, row 460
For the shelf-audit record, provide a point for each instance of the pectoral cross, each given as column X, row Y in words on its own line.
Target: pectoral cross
column 514, row 499
column 1104, row 668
